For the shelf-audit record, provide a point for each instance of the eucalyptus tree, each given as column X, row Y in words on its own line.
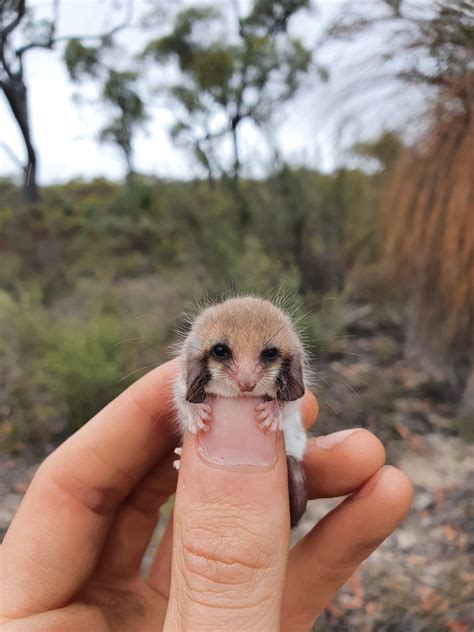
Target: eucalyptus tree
column 117, row 90
column 21, row 31
column 230, row 71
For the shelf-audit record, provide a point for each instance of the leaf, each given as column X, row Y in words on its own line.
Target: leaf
column 81, row 61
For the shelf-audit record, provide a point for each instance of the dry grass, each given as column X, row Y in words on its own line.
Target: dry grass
column 429, row 227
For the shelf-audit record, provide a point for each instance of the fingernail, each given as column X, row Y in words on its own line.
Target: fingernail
column 370, row 485
column 328, row 442
column 234, row 437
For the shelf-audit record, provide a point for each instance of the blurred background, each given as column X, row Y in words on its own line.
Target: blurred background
column 154, row 153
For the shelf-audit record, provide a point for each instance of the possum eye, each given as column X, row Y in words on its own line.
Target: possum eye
column 269, row 354
column 221, row 351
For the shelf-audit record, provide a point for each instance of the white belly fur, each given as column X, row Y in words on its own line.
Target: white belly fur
column 293, row 430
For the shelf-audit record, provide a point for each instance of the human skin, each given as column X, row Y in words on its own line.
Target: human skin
column 71, row 558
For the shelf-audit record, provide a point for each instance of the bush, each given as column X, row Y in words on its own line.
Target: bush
column 82, row 368
column 60, row 364
column 56, row 372
column 95, row 275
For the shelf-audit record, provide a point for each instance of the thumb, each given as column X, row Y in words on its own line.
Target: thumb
column 231, row 525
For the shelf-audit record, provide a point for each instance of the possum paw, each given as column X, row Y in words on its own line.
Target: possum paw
column 199, row 415
column 269, row 416
column 178, row 452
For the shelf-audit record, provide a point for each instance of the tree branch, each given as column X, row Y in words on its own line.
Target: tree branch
column 52, row 41
column 129, row 10
column 23, row 49
column 238, row 18
column 5, row 65
column 16, row 20
column 49, row 43
column 417, row 76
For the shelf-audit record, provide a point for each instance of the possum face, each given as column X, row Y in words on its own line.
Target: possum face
column 243, row 347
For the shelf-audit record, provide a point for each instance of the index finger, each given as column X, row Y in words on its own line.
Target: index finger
column 57, row 535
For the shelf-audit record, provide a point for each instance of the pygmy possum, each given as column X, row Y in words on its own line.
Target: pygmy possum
column 247, row 346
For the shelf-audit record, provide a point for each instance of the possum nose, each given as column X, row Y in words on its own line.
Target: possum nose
column 247, row 386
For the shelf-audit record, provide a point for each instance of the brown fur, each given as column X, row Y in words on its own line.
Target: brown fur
column 247, row 325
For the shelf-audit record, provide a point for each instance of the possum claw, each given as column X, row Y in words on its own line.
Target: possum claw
column 198, row 415
column 270, row 416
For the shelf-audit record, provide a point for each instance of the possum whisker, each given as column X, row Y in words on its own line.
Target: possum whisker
column 137, row 339
column 141, row 316
column 346, row 384
column 349, row 386
column 345, row 353
column 324, row 299
column 326, row 401
column 335, row 337
column 142, row 368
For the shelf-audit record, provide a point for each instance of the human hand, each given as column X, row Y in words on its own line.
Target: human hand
column 71, row 558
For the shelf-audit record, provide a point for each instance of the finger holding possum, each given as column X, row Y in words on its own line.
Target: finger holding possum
column 231, row 527
column 339, row 463
column 322, row 561
column 57, row 535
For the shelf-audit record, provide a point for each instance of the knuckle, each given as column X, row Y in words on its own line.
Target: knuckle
column 59, row 487
column 229, row 560
column 330, row 573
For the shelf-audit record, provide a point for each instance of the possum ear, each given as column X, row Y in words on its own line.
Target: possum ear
column 197, row 378
column 290, row 385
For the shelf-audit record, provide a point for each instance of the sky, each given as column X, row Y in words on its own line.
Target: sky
column 65, row 133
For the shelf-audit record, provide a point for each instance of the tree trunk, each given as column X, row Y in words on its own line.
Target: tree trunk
column 235, row 144
column 30, row 185
column 129, row 176
column 17, row 97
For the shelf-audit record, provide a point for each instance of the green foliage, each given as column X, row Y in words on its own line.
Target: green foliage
column 81, row 60
column 185, row 41
column 83, row 367
column 93, row 282
column 273, row 16
column 231, row 76
column 322, row 324
column 56, row 372
column 318, row 225
column 304, row 226
column 60, row 364
column 386, row 149
column 119, row 92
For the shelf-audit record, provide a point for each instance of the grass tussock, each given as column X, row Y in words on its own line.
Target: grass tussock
column 429, row 231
